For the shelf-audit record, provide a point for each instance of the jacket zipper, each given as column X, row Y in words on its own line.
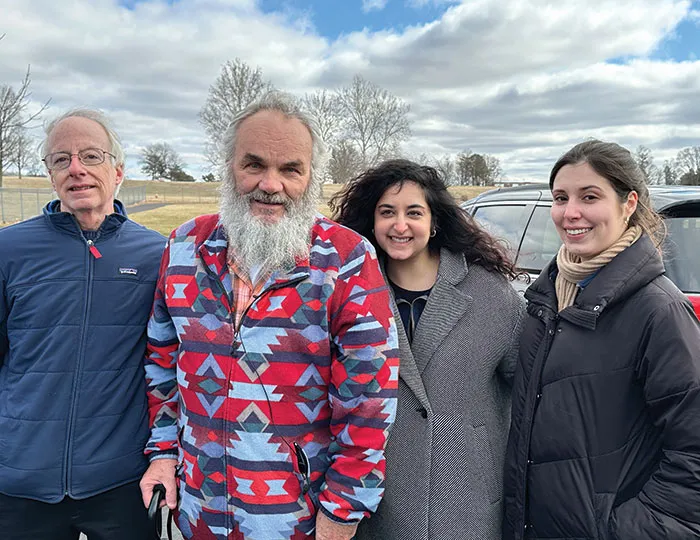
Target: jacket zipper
column 93, row 254
column 234, row 347
column 538, row 368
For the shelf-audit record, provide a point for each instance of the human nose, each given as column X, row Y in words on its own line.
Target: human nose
column 400, row 225
column 270, row 182
column 75, row 166
column 571, row 210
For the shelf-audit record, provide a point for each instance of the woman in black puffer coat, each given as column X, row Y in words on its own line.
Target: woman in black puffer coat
column 605, row 435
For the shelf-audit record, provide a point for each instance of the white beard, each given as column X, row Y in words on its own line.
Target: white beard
column 262, row 246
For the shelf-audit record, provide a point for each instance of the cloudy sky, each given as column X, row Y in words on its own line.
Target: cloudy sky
column 521, row 79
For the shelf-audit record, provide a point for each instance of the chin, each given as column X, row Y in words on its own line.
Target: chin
column 400, row 256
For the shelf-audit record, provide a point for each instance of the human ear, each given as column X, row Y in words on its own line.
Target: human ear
column 630, row 205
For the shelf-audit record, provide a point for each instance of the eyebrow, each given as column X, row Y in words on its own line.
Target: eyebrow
column 387, row 205
column 255, row 158
column 296, row 163
column 584, row 188
column 252, row 157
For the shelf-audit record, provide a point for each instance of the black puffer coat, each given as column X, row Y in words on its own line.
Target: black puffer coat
column 605, row 436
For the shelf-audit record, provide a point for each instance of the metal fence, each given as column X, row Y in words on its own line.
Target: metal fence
column 182, row 192
column 18, row 204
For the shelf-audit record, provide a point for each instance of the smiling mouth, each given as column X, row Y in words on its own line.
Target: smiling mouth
column 400, row 239
column 80, row 188
column 269, row 204
column 577, row 232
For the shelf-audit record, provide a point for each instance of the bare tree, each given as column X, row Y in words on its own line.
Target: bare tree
column 669, row 176
column 160, row 160
column 235, row 88
column 493, row 170
column 688, row 166
column 464, row 167
column 374, row 120
column 421, row 159
column 21, row 152
column 13, row 106
column 447, row 169
column 345, row 162
column 477, row 169
column 645, row 160
column 325, row 108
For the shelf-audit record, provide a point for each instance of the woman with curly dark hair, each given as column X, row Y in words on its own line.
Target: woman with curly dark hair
column 458, row 344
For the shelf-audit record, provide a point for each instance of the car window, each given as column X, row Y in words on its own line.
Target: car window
column 541, row 241
column 506, row 222
column 681, row 253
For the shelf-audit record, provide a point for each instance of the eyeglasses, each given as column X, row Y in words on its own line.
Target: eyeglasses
column 88, row 157
column 410, row 311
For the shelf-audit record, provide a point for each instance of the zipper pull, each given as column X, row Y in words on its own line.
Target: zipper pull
column 93, row 249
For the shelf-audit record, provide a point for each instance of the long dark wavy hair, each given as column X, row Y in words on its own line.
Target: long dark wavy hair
column 455, row 230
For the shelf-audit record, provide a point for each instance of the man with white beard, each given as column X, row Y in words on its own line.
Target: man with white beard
column 272, row 360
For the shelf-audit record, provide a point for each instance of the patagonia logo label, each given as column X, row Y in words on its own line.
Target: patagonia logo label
column 129, row 271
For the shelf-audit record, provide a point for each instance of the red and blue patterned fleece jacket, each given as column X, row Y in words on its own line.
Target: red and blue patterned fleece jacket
column 313, row 362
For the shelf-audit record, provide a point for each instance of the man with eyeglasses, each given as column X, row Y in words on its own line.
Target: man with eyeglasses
column 76, row 289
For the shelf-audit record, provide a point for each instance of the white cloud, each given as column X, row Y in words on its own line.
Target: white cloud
column 522, row 79
column 417, row 4
column 373, row 5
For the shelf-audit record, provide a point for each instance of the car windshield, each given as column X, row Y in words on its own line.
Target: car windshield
column 681, row 253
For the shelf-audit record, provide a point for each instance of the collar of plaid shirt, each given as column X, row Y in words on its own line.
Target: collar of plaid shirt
column 243, row 288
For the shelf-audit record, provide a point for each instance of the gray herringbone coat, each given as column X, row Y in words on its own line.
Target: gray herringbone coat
column 446, row 449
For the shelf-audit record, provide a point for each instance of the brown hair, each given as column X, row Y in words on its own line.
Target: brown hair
column 617, row 165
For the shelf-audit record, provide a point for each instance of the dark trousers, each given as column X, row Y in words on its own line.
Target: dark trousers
column 117, row 514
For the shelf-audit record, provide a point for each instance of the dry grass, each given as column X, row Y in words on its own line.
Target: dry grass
column 163, row 192
column 18, row 204
column 464, row 193
column 178, row 192
column 27, row 182
column 184, row 200
column 168, row 217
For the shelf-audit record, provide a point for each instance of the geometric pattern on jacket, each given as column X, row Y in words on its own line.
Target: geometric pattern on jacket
column 314, row 361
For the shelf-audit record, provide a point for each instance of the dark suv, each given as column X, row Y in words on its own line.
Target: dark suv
column 520, row 216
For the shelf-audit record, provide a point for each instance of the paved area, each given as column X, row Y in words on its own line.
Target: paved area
column 143, row 207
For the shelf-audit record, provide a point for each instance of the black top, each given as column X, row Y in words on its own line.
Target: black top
column 411, row 305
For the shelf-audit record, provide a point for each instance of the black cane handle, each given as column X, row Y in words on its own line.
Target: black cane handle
column 158, row 496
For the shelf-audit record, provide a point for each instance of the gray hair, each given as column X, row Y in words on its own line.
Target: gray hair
column 289, row 106
column 115, row 145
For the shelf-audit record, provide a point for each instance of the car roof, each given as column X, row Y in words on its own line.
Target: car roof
column 664, row 198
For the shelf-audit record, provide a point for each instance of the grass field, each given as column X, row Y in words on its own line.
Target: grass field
column 183, row 200
column 168, row 217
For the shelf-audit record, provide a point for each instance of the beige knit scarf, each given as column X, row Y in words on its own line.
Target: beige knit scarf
column 572, row 269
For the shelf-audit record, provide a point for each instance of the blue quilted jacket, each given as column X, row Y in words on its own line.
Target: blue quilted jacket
column 73, row 316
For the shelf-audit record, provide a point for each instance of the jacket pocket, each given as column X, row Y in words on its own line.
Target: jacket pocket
column 306, row 500
column 492, row 476
column 462, row 469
